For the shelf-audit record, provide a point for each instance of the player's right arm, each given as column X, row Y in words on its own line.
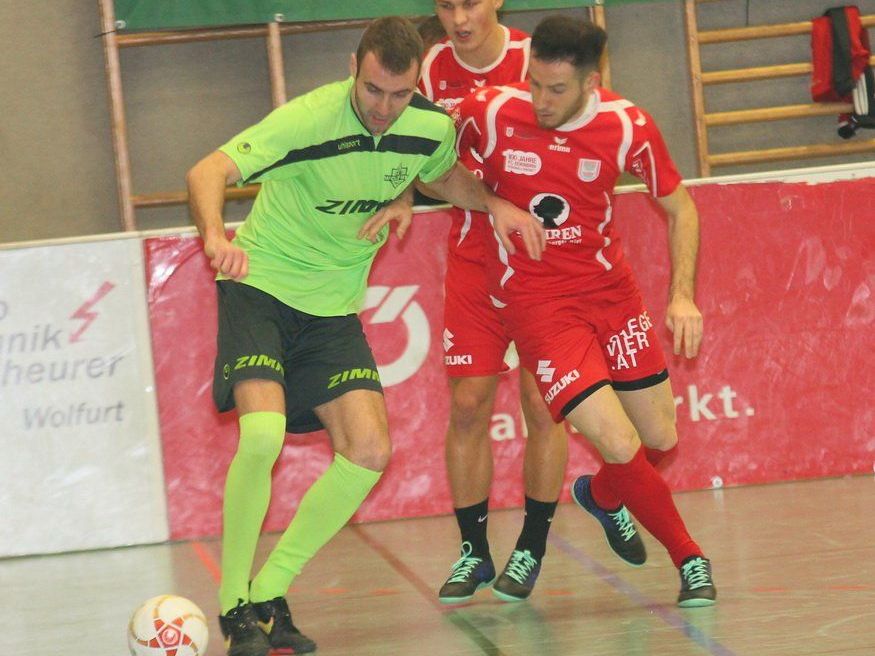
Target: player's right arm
column 206, row 198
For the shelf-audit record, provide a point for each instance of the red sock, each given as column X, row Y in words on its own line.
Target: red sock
column 655, row 456
column 648, row 498
column 601, row 490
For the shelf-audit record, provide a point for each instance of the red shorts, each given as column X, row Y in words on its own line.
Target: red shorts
column 475, row 340
column 576, row 345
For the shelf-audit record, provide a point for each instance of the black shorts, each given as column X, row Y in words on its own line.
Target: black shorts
column 316, row 359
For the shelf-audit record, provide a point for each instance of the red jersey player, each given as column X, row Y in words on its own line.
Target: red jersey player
column 478, row 51
column 556, row 146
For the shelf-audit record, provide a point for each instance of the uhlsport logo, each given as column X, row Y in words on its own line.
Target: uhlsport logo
column 392, row 304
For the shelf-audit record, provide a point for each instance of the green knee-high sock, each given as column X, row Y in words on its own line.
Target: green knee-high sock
column 324, row 510
column 247, row 494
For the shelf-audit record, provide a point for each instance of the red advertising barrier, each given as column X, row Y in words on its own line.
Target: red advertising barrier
column 780, row 391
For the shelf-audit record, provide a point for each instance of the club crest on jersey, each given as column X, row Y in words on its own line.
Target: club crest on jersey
column 396, row 176
column 588, row 169
column 521, row 161
column 508, row 132
column 443, row 85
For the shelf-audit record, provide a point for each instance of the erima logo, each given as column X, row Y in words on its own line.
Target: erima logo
column 358, row 206
column 458, row 359
column 545, row 371
column 352, row 374
column 559, row 145
column 561, row 384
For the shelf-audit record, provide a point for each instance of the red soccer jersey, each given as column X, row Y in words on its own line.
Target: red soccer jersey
column 446, row 80
column 565, row 177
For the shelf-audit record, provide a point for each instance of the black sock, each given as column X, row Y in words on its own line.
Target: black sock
column 539, row 514
column 472, row 525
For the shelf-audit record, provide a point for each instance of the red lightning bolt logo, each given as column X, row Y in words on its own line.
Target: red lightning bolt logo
column 86, row 314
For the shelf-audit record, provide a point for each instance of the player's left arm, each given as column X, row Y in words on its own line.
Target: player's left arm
column 400, row 210
column 682, row 316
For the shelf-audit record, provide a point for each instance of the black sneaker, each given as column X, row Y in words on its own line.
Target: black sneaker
column 242, row 635
column 518, row 578
column 470, row 573
column 275, row 619
column 697, row 586
column 619, row 529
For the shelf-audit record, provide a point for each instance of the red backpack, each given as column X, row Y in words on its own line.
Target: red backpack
column 840, row 66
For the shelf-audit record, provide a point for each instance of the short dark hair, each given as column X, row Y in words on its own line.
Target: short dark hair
column 431, row 30
column 394, row 41
column 562, row 38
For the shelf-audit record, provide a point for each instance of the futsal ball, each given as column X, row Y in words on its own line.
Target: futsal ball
column 168, row 626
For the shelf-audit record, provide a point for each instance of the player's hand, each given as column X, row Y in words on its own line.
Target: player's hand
column 685, row 321
column 399, row 210
column 508, row 219
column 226, row 258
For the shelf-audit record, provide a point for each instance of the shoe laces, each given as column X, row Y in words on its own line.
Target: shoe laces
column 463, row 567
column 520, row 566
column 696, row 573
column 623, row 521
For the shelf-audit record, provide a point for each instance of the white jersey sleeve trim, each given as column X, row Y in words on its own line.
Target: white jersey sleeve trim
column 600, row 254
column 425, row 76
column 492, row 113
column 619, row 108
column 526, row 45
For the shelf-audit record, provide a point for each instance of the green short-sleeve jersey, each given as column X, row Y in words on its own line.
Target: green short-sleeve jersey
column 323, row 175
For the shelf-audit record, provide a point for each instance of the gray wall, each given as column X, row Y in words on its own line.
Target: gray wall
column 184, row 100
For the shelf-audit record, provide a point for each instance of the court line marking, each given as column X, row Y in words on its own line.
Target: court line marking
column 673, row 618
column 472, row 632
column 207, row 559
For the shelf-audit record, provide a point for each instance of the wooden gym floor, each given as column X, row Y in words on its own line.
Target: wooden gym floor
column 794, row 566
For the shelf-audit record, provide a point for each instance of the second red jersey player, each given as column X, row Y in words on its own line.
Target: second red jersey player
column 473, row 330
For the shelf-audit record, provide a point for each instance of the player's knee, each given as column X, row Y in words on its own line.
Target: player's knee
column 370, row 449
column 660, row 434
column 619, row 443
column 469, row 408
column 664, row 439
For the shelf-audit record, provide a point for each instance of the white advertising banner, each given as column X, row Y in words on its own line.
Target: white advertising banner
column 80, row 455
